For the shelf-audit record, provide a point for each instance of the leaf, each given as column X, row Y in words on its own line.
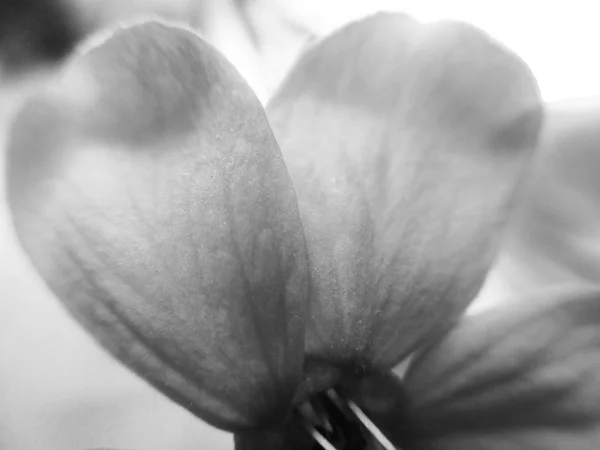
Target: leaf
column 405, row 143
column 525, row 376
column 150, row 194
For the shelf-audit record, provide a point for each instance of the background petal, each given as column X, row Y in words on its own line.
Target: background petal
column 405, row 143
column 554, row 236
column 149, row 192
column 525, row 376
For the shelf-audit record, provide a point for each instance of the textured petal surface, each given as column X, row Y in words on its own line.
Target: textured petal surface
column 149, row 192
column 405, row 143
column 526, row 376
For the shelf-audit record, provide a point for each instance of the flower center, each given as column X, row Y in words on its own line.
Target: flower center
column 338, row 424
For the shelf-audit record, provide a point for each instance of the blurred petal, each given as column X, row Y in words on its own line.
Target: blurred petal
column 405, row 143
column 555, row 238
column 526, row 376
column 149, row 192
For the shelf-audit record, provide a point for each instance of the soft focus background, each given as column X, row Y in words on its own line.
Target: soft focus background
column 58, row 390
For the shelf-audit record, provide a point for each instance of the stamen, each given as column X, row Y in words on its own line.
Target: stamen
column 319, row 438
column 314, row 416
column 307, row 411
column 362, row 417
column 336, row 423
column 369, row 425
column 321, row 412
column 336, row 399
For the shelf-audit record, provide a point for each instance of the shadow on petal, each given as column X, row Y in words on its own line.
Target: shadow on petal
column 149, row 192
column 405, row 143
column 524, row 376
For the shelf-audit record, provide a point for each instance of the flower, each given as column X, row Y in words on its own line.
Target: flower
column 148, row 187
column 522, row 376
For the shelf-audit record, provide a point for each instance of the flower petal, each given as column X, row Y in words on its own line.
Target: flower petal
column 405, row 143
column 526, row 376
column 554, row 237
column 149, row 192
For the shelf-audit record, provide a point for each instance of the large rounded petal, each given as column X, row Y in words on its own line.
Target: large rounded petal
column 405, row 143
column 149, row 192
column 525, row 376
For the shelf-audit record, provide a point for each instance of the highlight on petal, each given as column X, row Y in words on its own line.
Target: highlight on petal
column 525, row 376
column 149, row 192
column 405, row 143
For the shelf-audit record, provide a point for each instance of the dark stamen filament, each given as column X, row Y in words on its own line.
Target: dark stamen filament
column 338, row 424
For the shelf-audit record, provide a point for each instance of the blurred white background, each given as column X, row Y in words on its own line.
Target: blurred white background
column 58, row 390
